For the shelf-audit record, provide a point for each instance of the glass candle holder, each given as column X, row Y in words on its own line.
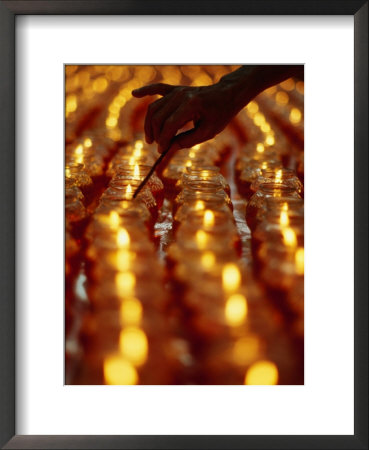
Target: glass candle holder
column 282, row 175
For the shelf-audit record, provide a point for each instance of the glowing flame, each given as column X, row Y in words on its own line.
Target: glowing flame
column 231, row 277
column 196, row 147
column 133, row 345
column 246, row 350
column 125, row 283
column 285, row 206
column 299, row 261
column 78, row 152
column 131, row 311
column 139, row 144
column 199, row 205
column 87, row 142
column 119, row 371
column 208, row 260
column 295, row 116
column 123, row 260
column 269, row 140
column 209, row 218
column 114, row 220
column 278, row 176
column 283, row 219
column 129, row 193
column 136, row 171
column 67, row 172
column 235, row 310
column 265, row 128
column 264, row 165
column 201, row 239
column 259, row 119
column 289, row 237
column 137, row 152
column 252, row 107
column 260, row 147
column 262, row 373
column 188, row 163
column 192, row 154
column 132, row 161
column 123, row 239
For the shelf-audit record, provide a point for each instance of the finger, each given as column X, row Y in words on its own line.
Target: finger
column 151, row 110
column 160, row 116
column 171, row 126
column 192, row 137
column 153, row 89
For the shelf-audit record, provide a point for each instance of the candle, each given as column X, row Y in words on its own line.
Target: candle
column 262, row 373
column 235, row 310
column 119, row 371
column 289, row 237
column 201, row 239
column 231, row 277
column 133, row 345
column 123, row 239
column 208, row 218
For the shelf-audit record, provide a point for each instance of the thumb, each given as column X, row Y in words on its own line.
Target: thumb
column 153, row 89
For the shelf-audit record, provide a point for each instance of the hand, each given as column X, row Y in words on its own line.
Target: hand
column 210, row 108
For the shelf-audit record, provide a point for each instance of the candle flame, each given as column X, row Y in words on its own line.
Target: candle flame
column 284, row 220
column 235, row 310
column 114, row 219
column 192, row 154
column 231, row 277
column 136, row 171
column 199, row 205
column 264, row 165
column 262, row 373
column 132, row 161
column 269, row 140
column 78, row 152
column 123, row 239
column 137, row 152
column 278, row 176
column 67, row 172
column 87, row 142
column 260, row 147
column 119, row 371
column 123, row 260
column 139, row 144
column 189, row 163
column 208, row 260
column 125, row 283
column 201, row 239
column 208, row 218
column 131, row 311
column 289, row 237
column 285, row 206
column 129, row 191
column 299, row 261
column 133, row 345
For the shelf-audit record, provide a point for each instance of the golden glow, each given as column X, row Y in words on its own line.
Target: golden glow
column 123, row 260
column 289, row 237
column 300, row 87
column 295, row 116
column 299, row 261
column 285, row 206
column 282, row 98
column 111, row 122
column 71, row 103
column 246, row 350
column 67, row 172
column 260, row 147
column 114, row 220
column 269, row 140
column 265, row 128
column 196, row 147
column 278, row 176
column 199, row 205
column 100, row 84
column 262, row 373
column 125, row 283
column 201, row 239
column 192, row 154
column 259, row 119
column 118, row 371
column 129, row 191
column 123, row 239
column 188, row 163
column 132, row 161
column 137, row 152
column 231, row 277
column 131, row 311
column 87, row 143
column 208, row 218
column 133, row 345
column 208, row 260
column 136, row 171
column 284, row 220
column 264, row 165
column 252, row 107
column 235, row 310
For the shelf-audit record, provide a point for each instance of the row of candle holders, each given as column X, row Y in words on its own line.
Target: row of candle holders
column 202, row 314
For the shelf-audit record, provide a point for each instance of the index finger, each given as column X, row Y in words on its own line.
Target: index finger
column 153, row 89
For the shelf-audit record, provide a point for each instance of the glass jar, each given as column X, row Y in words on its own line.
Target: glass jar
column 257, row 203
column 250, row 173
column 205, row 173
column 282, row 175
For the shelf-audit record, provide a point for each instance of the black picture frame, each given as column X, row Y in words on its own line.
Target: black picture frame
column 8, row 12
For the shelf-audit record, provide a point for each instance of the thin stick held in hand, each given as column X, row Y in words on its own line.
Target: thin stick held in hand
column 146, row 179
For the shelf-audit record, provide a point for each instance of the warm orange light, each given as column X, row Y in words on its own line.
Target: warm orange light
column 288, row 85
column 235, row 310
column 114, row 220
column 129, row 191
column 123, row 260
column 246, row 350
column 136, row 171
column 133, row 345
column 208, row 260
column 283, row 219
column 131, row 312
column 260, row 147
column 87, row 143
column 209, row 218
column 188, row 163
column 231, row 277
column 119, row 371
column 259, row 119
column 299, row 261
column 199, row 205
column 201, row 239
column 282, row 98
column 270, row 140
column 68, row 172
column 252, row 107
column 123, row 239
column 125, row 283
column 278, row 176
column 295, row 116
column 289, row 237
column 265, row 127
column 111, row 122
column 262, row 373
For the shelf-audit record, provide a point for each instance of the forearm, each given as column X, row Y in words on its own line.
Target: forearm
column 247, row 82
